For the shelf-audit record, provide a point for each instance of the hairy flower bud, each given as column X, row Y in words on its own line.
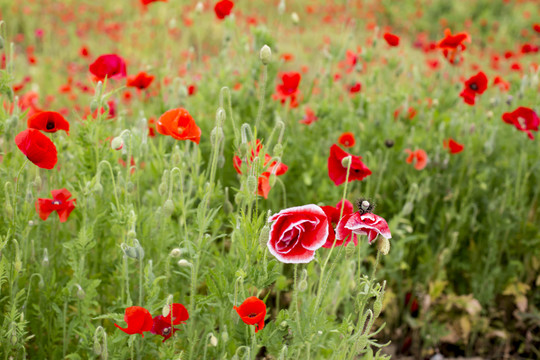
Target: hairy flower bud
column 213, row 340
column 117, row 143
column 252, row 184
column 383, row 245
column 168, row 208
column 265, row 55
column 295, row 18
column 346, row 161
column 184, row 263
column 176, row 252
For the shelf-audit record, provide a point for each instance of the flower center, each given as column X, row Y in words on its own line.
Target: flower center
column 166, row 331
column 56, row 202
column 522, row 122
column 473, row 86
column 252, row 315
column 50, row 125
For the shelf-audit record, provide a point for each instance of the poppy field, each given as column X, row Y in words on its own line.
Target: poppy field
column 273, row 179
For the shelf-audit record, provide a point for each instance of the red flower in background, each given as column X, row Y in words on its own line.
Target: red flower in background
column 536, row 27
column 148, row 2
column 364, row 224
column 452, row 45
column 179, row 124
column 288, row 89
column 524, row 119
column 140, row 81
column 391, row 39
column 475, row 85
column 48, row 121
column 419, row 157
column 111, row 66
column 453, row 146
column 59, row 203
column 163, row 325
column 252, row 312
column 356, row 88
column 309, row 117
column 347, row 139
column 333, row 214
column 38, row 148
column 138, row 320
column 338, row 173
column 503, row 85
column 297, row 232
column 223, row 8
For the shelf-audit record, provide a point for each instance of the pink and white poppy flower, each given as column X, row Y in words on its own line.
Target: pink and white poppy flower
column 362, row 224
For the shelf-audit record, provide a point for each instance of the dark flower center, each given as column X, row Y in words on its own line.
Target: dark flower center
column 50, row 125
column 473, row 86
column 252, row 315
column 166, row 331
column 56, row 202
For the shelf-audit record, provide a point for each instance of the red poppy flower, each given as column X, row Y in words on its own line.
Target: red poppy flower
column 148, row 2
column 59, row 203
column 223, row 8
column 347, row 139
column 138, row 320
column 452, row 45
column 252, row 312
column 419, row 156
column 536, row 27
column 338, row 173
column 524, row 119
column 38, row 148
column 179, row 124
column 503, row 85
column 333, row 215
column 162, row 325
column 297, row 232
column 48, row 121
column 140, row 81
column 391, row 39
column 309, row 117
column 363, row 224
column 453, row 146
column 475, row 85
column 288, row 89
column 111, row 66
column 353, row 89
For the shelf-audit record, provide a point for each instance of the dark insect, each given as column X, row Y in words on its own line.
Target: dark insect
column 365, row 206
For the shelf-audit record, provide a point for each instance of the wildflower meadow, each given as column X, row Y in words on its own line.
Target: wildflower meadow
column 274, row 179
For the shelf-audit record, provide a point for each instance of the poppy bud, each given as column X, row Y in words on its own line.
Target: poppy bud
column 98, row 188
column 117, row 143
column 383, row 245
column 283, row 325
column 227, row 206
column 265, row 55
column 12, row 121
column 131, row 234
column 302, row 286
column 184, row 263
column 252, row 183
column 135, row 251
column 41, row 283
column 362, row 342
column 97, row 347
column 281, row 7
column 130, row 187
column 389, row 143
column 225, row 334
column 8, row 209
column 18, row 265
column 80, row 292
column 199, row 7
column 239, row 198
column 1, row 43
column 278, row 150
column 168, row 208
column 213, row 340
column 45, row 261
column 14, row 339
column 489, row 114
column 346, row 162
column 272, row 180
column 377, row 307
column 295, row 18
column 162, row 189
column 407, row 208
column 94, row 104
column 264, row 235
column 176, row 252
column 37, row 181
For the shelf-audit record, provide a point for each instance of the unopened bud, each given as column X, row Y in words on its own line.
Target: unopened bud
column 295, row 18
column 18, row 266
column 117, row 143
column 272, row 180
column 377, row 307
column 184, row 263
column 278, row 150
column 265, row 55
column 97, row 347
column 176, row 252
column 264, row 235
column 199, row 7
column 225, row 335
column 131, row 234
column 168, row 208
column 41, row 283
column 8, row 209
column 162, row 189
column 283, row 325
column 281, row 7
column 383, row 245
column 45, row 261
column 252, row 184
column 94, row 104
column 13, row 340
column 37, row 181
column 80, row 293
column 213, row 340
column 302, row 285
column 1, row 43
column 346, row 161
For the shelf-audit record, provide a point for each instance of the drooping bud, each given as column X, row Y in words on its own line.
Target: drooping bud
column 184, row 263
column 346, row 161
column 45, row 261
column 176, row 252
column 383, row 245
column 265, row 55
column 281, row 7
column 199, row 8
column 213, row 340
column 264, row 235
column 295, row 18
column 117, row 143
column 168, row 208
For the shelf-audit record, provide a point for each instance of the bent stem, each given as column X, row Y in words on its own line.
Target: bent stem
column 323, row 267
